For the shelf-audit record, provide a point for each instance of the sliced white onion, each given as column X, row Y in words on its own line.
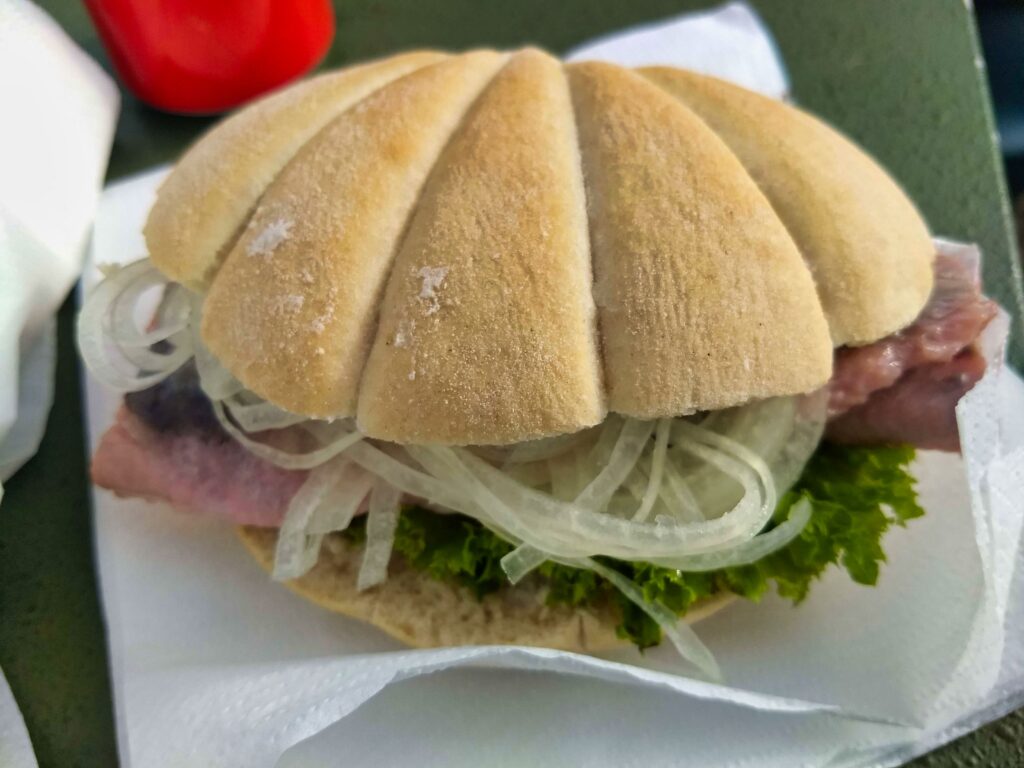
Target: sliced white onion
column 584, row 471
column 259, row 416
column 536, row 474
column 520, row 561
column 112, row 374
column 532, row 451
column 635, row 486
column 524, row 514
column 347, row 492
column 628, row 447
column 808, row 425
column 569, row 531
column 679, row 633
column 328, row 431
column 403, row 477
column 165, row 363
column 297, row 550
column 548, row 448
column 734, row 461
column 678, row 496
column 325, row 502
column 606, row 439
column 749, row 551
column 474, row 497
column 110, row 342
column 566, row 478
column 172, row 315
column 285, row 459
column 657, row 469
column 783, row 431
column 381, row 523
column 216, row 381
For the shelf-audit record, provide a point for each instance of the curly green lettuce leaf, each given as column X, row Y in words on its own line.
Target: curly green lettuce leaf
column 448, row 547
column 856, row 494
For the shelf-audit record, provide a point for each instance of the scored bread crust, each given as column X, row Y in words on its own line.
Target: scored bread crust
column 703, row 299
column 505, row 343
column 292, row 311
column 865, row 243
column 424, row 612
column 203, row 205
column 489, row 248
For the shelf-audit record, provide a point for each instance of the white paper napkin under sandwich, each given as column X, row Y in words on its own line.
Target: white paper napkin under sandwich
column 214, row 665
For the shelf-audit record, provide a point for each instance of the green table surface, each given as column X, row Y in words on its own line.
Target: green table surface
column 903, row 78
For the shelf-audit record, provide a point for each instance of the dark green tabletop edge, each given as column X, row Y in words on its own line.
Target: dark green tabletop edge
column 54, row 652
column 1013, row 297
column 1016, row 260
column 47, row 587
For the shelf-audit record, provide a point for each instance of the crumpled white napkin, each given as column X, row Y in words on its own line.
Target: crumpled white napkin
column 56, row 128
column 729, row 42
column 59, row 111
column 213, row 665
column 15, row 747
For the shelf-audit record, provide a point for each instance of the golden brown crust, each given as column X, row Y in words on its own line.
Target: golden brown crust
column 487, row 330
column 423, row 612
column 203, row 204
column 453, row 193
column 865, row 242
column 293, row 310
column 704, row 302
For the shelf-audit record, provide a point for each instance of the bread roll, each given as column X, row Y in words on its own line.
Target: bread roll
column 488, row 248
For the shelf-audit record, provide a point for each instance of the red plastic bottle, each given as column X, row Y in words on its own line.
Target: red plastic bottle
column 205, row 56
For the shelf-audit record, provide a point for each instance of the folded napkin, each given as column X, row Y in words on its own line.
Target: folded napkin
column 729, row 42
column 57, row 126
column 15, row 747
column 59, row 112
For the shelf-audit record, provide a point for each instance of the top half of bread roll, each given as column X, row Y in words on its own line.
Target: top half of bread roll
column 487, row 248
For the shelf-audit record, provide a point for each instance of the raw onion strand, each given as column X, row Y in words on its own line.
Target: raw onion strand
column 657, row 469
column 679, row 633
column 381, row 524
column 285, row 459
column 750, row 551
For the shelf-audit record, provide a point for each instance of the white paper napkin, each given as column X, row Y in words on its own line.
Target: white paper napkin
column 57, row 116
column 728, row 42
column 15, row 747
column 214, row 665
